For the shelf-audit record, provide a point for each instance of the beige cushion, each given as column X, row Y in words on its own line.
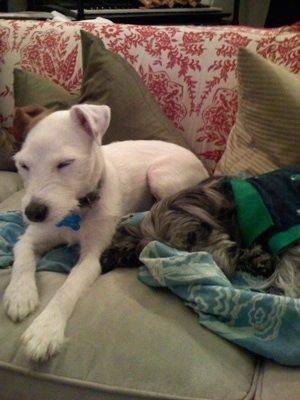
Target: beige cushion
column 266, row 135
column 277, row 382
column 127, row 341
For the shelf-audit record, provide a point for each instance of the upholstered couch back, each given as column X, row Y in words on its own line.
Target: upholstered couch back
column 190, row 71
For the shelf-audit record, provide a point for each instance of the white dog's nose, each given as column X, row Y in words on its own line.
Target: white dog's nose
column 36, row 212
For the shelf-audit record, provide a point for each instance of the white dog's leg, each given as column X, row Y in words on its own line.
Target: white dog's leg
column 45, row 336
column 21, row 296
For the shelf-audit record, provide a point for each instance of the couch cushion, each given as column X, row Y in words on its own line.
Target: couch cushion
column 266, row 135
column 109, row 79
column 126, row 341
column 277, row 382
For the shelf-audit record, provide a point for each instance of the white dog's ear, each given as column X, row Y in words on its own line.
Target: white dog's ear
column 92, row 118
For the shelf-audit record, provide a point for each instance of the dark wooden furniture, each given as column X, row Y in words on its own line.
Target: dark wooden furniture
column 130, row 11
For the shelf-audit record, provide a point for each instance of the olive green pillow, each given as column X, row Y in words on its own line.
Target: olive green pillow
column 31, row 88
column 109, row 79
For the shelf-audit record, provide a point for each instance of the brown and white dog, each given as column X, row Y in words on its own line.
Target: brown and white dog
column 76, row 191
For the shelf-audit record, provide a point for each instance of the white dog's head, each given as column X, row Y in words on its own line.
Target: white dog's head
column 61, row 159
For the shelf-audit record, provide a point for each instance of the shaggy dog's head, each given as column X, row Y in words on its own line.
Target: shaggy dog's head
column 200, row 218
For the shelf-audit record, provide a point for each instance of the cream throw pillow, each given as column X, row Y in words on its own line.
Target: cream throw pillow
column 266, row 135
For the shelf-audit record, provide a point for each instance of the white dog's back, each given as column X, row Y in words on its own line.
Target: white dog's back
column 174, row 168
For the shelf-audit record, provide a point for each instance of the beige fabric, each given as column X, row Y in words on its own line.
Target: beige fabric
column 266, row 135
column 126, row 339
column 278, row 382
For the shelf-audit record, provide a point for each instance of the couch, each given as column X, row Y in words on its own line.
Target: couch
column 236, row 109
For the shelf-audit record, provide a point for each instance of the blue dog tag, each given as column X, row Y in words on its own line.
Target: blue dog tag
column 71, row 221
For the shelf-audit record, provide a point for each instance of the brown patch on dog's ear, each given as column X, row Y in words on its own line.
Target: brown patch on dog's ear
column 25, row 118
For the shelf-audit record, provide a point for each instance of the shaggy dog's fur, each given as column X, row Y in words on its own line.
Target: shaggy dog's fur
column 204, row 218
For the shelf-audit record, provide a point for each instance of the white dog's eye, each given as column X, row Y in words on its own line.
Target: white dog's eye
column 64, row 164
column 24, row 166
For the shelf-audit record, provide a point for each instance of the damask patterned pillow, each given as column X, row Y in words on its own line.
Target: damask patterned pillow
column 109, row 79
column 266, row 135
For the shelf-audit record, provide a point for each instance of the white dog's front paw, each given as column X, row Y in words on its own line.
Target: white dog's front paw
column 20, row 299
column 43, row 338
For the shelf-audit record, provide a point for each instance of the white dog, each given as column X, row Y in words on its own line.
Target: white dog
column 76, row 191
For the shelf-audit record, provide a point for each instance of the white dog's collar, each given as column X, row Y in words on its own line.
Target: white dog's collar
column 73, row 220
column 70, row 221
column 90, row 198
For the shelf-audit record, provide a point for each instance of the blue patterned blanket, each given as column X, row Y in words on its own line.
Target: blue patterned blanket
column 268, row 325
